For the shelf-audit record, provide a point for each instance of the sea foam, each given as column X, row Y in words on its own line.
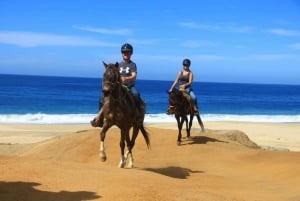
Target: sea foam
column 40, row 118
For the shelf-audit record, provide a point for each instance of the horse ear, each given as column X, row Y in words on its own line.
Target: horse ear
column 117, row 64
column 105, row 65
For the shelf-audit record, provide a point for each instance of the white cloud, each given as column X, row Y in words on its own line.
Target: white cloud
column 142, row 42
column 198, row 43
column 103, row 31
column 284, row 32
column 270, row 57
column 31, row 39
column 208, row 57
column 217, row 27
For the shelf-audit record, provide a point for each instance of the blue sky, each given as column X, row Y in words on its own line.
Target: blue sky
column 249, row 41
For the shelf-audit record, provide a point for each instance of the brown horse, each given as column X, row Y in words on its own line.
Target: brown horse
column 181, row 107
column 119, row 108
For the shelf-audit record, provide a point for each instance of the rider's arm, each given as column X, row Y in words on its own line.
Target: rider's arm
column 175, row 82
column 129, row 78
column 191, row 77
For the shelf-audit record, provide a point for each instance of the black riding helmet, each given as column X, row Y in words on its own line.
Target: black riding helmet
column 186, row 62
column 126, row 48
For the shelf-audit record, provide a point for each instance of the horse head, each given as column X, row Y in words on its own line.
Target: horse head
column 176, row 100
column 111, row 77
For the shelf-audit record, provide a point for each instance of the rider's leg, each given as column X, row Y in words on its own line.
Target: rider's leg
column 194, row 100
column 137, row 98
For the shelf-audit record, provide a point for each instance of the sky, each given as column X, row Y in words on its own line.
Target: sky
column 236, row 41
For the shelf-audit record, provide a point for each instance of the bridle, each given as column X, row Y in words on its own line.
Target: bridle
column 112, row 79
column 177, row 103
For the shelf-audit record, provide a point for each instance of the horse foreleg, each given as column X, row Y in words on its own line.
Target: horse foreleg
column 102, row 153
column 122, row 147
column 190, row 126
column 130, row 163
column 179, row 125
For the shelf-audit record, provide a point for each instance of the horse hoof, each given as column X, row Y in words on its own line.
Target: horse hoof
column 102, row 157
column 121, row 165
column 130, row 166
column 178, row 143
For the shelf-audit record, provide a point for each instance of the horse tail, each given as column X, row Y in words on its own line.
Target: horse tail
column 146, row 135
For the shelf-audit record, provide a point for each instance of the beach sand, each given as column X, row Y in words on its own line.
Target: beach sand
column 225, row 163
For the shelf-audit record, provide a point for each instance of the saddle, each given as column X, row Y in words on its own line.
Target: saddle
column 140, row 103
column 185, row 94
column 171, row 108
column 188, row 98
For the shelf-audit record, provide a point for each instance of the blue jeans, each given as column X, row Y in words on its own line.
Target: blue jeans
column 192, row 95
column 133, row 91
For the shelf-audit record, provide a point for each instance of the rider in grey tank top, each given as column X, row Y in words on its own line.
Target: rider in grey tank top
column 185, row 80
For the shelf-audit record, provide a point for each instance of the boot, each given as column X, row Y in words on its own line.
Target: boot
column 194, row 107
column 195, row 110
column 140, row 104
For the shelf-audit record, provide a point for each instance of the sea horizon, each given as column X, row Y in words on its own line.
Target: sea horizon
column 39, row 99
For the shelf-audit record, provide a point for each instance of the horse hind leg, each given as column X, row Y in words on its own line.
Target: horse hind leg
column 200, row 123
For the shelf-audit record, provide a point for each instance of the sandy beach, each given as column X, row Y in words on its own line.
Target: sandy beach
column 231, row 161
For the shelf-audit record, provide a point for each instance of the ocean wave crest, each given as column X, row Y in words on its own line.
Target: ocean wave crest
column 40, row 118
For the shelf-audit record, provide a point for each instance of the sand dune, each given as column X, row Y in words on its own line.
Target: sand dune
column 219, row 165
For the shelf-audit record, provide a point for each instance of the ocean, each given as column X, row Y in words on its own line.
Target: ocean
column 73, row 100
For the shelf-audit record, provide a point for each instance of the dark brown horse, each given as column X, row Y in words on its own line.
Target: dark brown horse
column 181, row 107
column 119, row 109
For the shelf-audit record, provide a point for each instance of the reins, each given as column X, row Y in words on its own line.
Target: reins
column 115, row 84
column 179, row 104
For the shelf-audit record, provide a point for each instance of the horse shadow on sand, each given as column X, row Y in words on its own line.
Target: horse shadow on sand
column 199, row 140
column 173, row 171
column 26, row 191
